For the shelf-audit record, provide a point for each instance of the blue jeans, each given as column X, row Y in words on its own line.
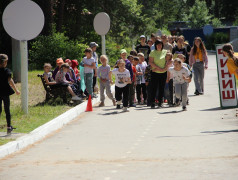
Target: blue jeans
column 88, row 78
column 198, row 69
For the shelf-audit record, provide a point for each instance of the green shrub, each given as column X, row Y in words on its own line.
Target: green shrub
column 49, row 48
column 216, row 38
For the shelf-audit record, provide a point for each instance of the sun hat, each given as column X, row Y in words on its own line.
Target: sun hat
column 93, row 44
column 59, row 61
column 123, row 51
column 142, row 36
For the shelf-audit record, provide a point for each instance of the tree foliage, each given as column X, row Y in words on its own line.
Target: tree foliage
column 129, row 18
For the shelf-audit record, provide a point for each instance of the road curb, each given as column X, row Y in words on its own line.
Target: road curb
column 46, row 129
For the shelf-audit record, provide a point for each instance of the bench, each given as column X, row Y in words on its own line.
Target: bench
column 61, row 92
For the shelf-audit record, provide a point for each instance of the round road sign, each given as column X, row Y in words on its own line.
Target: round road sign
column 23, row 19
column 101, row 23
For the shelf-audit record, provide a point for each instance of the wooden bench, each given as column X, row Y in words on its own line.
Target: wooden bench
column 61, row 92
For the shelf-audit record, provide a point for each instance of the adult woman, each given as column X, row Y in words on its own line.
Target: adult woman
column 180, row 49
column 159, row 72
column 198, row 61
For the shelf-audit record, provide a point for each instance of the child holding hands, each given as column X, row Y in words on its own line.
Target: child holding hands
column 122, row 82
column 7, row 88
column 103, row 75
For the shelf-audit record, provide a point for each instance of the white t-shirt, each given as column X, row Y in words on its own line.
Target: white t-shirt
column 143, row 66
column 121, row 77
column 88, row 62
column 178, row 75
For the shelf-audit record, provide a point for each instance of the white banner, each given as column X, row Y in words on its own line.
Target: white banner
column 227, row 82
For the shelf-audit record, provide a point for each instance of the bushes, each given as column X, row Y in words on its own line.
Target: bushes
column 216, row 38
column 49, row 48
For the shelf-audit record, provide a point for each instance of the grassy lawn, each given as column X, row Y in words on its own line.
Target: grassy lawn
column 39, row 113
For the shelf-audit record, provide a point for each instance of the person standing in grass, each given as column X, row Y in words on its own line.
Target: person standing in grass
column 89, row 65
column 7, row 88
column 93, row 46
column 103, row 75
column 122, row 82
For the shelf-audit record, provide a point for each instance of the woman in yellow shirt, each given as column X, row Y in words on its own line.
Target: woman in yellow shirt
column 199, row 62
column 232, row 62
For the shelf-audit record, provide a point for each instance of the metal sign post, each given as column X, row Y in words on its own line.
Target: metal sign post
column 23, row 20
column 101, row 25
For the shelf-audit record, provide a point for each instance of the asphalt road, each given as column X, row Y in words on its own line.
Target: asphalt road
column 143, row 144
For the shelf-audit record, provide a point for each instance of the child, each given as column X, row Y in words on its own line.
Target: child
column 122, row 82
column 7, row 88
column 148, row 83
column 180, row 79
column 71, row 74
column 89, row 64
column 143, row 65
column 59, row 62
column 60, row 79
column 103, row 75
column 139, row 77
column 169, row 88
column 133, row 84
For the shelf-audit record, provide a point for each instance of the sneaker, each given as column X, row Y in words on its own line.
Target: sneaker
column 177, row 102
column 196, row 93
column 184, row 108
column 101, row 104
column 114, row 102
column 132, row 105
column 153, row 106
column 160, row 105
column 76, row 98
column 10, row 129
column 124, row 109
column 94, row 95
column 201, row 93
column 118, row 106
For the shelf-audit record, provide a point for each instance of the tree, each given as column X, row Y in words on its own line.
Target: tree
column 198, row 15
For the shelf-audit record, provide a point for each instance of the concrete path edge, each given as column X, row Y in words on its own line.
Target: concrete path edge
column 46, row 129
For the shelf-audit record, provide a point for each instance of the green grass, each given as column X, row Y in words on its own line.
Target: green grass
column 39, row 113
column 5, row 141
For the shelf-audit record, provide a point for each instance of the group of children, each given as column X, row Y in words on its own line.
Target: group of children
column 126, row 86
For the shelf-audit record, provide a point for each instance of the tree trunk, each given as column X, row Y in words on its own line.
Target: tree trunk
column 60, row 21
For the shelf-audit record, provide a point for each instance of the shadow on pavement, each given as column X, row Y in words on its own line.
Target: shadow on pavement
column 221, row 132
column 213, row 109
column 170, row 112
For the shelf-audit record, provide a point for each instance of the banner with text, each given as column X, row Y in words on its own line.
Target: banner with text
column 227, row 82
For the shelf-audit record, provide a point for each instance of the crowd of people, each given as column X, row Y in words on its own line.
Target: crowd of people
column 157, row 72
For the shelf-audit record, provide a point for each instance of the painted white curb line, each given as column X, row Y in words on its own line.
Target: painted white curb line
column 44, row 130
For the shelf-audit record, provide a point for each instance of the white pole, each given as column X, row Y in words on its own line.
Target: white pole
column 24, row 76
column 103, row 45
